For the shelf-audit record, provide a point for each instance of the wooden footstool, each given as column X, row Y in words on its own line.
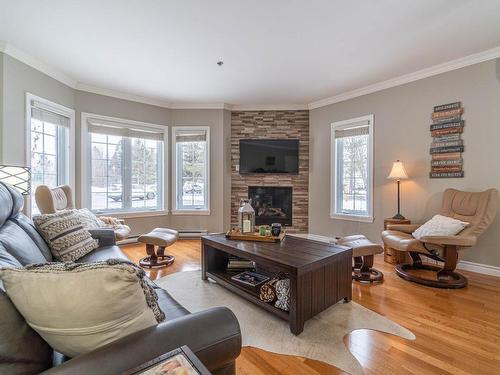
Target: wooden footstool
column 161, row 237
column 363, row 251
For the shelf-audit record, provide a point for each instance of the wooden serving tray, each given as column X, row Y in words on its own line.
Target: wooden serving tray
column 233, row 235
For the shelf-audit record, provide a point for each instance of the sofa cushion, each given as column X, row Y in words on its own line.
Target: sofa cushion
column 22, row 350
column 169, row 305
column 11, row 202
column 65, row 234
column 103, row 253
column 7, row 259
column 77, row 307
column 27, row 225
column 19, row 244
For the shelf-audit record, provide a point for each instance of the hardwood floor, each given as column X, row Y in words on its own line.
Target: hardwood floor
column 458, row 331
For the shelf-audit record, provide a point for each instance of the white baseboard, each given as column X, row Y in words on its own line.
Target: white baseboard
column 484, row 269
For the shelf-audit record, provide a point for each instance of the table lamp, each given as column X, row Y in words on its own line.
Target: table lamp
column 398, row 173
column 17, row 177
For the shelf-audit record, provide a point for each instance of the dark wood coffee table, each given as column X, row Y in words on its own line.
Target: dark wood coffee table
column 320, row 273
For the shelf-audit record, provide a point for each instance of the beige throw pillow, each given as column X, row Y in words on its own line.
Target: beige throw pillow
column 78, row 307
column 65, row 234
column 440, row 225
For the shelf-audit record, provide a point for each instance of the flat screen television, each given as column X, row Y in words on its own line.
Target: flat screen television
column 269, row 156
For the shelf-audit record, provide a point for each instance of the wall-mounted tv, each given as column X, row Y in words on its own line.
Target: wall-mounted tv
column 269, row 156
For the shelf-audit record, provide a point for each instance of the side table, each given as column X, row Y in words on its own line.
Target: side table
column 391, row 255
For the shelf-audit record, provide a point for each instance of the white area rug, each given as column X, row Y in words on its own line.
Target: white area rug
column 322, row 336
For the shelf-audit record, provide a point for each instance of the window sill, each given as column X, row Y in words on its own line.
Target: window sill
column 362, row 219
column 132, row 214
column 191, row 212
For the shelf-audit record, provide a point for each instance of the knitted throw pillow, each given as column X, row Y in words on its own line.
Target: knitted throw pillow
column 65, row 234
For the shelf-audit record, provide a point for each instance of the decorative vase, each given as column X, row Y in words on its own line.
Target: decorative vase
column 246, row 216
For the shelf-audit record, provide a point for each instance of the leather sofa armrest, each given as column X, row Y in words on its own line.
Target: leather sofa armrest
column 106, row 237
column 462, row 241
column 405, row 228
column 213, row 335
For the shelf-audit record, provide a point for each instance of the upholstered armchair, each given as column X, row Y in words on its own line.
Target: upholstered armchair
column 478, row 209
column 51, row 200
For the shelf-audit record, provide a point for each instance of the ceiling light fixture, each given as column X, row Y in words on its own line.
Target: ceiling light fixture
column 220, row 62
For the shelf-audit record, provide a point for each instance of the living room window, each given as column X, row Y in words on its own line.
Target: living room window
column 352, row 169
column 50, row 145
column 125, row 168
column 191, row 166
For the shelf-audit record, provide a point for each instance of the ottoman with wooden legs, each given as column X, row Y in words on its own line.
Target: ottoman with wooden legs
column 156, row 241
column 363, row 252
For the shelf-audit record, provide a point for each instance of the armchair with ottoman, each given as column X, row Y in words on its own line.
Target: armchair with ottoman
column 477, row 209
column 52, row 200
column 213, row 335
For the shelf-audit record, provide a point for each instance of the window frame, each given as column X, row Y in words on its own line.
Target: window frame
column 63, row 111
column 85, row 163
column 182, row 211
column 340, row 125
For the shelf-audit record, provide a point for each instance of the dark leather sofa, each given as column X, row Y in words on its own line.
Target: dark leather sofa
column 213, row 335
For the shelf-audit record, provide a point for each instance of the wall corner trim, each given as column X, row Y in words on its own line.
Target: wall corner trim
column 448, row 66
column 484, row 269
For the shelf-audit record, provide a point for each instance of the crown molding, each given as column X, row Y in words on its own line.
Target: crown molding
column 37, row 64
column 462, row 62
column 58, row 75
column 269, row 107
column 200, row 106
column 122, row 95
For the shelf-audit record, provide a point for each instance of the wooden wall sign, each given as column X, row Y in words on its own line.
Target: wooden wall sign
column 447, row 145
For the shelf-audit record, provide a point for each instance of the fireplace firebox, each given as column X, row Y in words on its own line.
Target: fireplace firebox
column 272, row 204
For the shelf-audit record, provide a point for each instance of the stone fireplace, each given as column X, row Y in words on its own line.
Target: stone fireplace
column 272, row 204
column 293, row 124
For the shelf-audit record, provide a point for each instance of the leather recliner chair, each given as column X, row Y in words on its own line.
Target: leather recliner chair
column 51, row 200
column 213, row 334
column 478, row 209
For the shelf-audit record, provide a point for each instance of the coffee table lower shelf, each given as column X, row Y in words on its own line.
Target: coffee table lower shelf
column 249, row 293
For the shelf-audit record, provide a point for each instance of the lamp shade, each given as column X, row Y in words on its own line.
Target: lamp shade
column 18, row 177
column 398, row 171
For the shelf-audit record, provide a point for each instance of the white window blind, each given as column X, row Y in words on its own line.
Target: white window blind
column 122, row 130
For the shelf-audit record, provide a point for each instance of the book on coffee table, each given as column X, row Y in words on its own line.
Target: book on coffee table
column 250, row 278
column 180, row 361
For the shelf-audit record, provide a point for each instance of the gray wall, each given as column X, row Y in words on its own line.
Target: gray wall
column 218, row 167
column 1, row 104
column 401, row 131
column 18, row 79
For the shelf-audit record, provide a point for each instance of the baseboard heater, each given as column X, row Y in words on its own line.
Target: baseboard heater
column 183, row 233
column 130, row 239
column 192, row 233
